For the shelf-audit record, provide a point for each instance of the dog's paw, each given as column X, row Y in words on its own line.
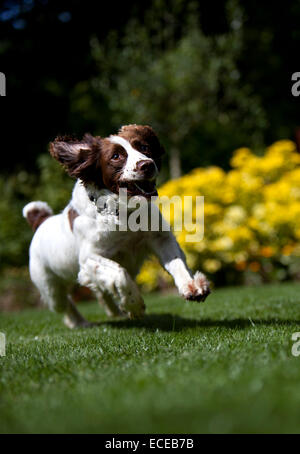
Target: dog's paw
column 134, row 308
column 137, row 314
column 197, row 289
column 72, row 323
column 132, row 303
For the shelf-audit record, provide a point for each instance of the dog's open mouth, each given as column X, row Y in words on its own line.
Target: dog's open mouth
column 145, row 188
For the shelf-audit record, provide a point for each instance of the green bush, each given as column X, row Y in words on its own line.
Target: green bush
column 50, row 184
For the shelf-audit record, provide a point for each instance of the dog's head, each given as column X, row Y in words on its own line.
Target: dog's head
column 130, row 159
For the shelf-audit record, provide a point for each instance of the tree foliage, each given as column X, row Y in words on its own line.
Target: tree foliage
column 166, row 72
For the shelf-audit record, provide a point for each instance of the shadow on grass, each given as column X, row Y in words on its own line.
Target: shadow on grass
column 170, row 322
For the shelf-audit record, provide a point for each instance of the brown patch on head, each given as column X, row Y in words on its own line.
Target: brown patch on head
column 112, row 160
column 79, row 158
column 143, row 139
column 91, row 160
column 72, row 215
column 36, row 217
column 100, row 162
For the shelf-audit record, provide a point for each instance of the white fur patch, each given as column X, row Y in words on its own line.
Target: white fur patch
column 36, row 205
column 196, row 289
column 133, row 157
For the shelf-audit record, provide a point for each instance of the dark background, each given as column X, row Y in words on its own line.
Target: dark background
column 45, row 52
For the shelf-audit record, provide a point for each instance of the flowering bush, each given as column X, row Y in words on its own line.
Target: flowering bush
column 252, row 218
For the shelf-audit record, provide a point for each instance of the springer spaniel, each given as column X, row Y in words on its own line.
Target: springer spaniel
column 82, row 243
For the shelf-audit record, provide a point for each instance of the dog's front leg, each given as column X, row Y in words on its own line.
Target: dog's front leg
column 172, row 258
column 106, row 277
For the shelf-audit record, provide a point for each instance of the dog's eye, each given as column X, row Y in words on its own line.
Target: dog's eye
column 115, row 156
column 144, row 147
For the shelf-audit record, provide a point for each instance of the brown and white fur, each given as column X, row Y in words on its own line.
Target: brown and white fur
column 79, row 244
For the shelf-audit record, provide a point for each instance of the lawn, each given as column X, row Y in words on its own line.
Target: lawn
column 222, row 366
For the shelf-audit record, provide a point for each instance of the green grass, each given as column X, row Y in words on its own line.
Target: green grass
column 223, row 366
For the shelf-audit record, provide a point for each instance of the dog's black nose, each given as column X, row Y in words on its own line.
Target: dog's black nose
column 147, row 167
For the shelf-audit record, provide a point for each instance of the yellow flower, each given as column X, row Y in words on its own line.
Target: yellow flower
column 254, row 266
column 212, row 265
column 267, row 251
column 241, row 157
column 235, row 215
column 287, row 250
column 251, row 211
column 241, row 266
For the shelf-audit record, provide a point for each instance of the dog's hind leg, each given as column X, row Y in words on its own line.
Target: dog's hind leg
column 107, row 302
column 73, row 318
column 54, row 293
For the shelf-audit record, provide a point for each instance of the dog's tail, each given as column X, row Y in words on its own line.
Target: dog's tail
column 36, row 213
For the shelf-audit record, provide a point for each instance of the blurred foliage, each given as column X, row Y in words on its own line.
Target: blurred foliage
column 51, row 184
column 17, row 291
column 51, row 75
column 167, row 73
column 14, row 238
column 251, row 215
column 54, row 185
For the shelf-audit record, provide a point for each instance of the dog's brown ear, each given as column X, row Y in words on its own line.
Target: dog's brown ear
column 81, row 159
